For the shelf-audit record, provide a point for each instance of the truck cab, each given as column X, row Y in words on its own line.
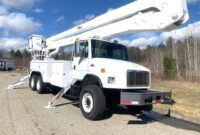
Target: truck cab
column 109, row 63
column 106, row 65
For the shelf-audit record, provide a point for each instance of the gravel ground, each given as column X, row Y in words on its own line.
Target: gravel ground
column 22, row 113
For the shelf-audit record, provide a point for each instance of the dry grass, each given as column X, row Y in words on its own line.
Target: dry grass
column 185, row 94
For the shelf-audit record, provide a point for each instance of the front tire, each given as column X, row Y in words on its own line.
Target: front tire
column 92, row 102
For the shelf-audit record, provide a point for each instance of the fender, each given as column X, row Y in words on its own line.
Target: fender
column 91, row 79
column 35, row 73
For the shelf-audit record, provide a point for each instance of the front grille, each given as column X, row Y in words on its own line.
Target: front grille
column 137, row 78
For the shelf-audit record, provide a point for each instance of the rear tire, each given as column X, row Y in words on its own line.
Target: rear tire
column 32, row 82
column 92, row 102
column 39, row 85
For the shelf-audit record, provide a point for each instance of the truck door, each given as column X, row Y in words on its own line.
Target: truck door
column 80, row 61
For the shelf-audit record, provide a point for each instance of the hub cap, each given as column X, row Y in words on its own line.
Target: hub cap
column 87, row 102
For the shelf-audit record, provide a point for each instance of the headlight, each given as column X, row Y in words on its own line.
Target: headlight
column 111, row 80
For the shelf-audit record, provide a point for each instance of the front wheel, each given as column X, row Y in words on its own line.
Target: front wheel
column 92, row 102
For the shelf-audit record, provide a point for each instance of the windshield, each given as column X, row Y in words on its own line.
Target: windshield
column 103, row 49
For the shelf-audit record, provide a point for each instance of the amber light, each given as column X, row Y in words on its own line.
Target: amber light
column 92, row 65
column 125, row 102
column 103, row 70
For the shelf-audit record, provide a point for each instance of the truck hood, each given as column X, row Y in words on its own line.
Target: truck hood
column 117, row 64
column 117, row 69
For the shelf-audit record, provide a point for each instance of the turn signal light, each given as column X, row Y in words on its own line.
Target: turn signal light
column 92, row 65
column 103, row 70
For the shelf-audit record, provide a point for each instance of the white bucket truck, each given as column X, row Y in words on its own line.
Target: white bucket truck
column 96, row 71
column 6, row 65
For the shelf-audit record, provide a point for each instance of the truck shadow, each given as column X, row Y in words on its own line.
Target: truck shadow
column 142, row 118
column 112, row 110
column 69, row 103
column 151, row 117
column 148, row 118
column 139, row 119
column 122, row 110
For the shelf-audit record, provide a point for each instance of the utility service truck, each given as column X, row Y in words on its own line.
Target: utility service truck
column 84, row 62
column 6, row 65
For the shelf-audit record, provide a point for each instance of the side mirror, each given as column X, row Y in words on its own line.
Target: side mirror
column 77, row 48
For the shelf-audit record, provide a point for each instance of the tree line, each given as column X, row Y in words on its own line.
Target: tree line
column 174, row 60
column 21, row 57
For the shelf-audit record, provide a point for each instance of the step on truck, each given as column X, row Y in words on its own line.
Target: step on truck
column 84, row 63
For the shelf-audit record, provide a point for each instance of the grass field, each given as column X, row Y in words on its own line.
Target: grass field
column 185, row 94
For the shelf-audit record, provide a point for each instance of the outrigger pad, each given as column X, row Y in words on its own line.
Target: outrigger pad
column 10, row 87
column 22, row 81
column 50, row 106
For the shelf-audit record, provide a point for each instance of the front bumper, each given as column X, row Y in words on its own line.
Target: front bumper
column 144, row 97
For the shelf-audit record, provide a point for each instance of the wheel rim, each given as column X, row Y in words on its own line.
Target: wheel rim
column 87, row 102
column 38, row 85
column 32, row 82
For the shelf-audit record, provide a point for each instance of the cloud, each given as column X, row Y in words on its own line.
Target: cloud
column 38, row 10
column 14, row 24
column 144, row 42
column 19, row 23
column 15, row 43
column 110, row 9
column 139, row 42
column 121, row 41
column 60, row 19
column 192, row 1
column 144, row 34
column 85, row 19
column 179, row 34
column 55, row 10
column 18, row 3
column 3, row 10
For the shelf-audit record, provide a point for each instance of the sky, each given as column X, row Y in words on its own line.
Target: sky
column 21, row 18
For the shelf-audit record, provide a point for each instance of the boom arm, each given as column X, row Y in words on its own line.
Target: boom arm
column 138, row 16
